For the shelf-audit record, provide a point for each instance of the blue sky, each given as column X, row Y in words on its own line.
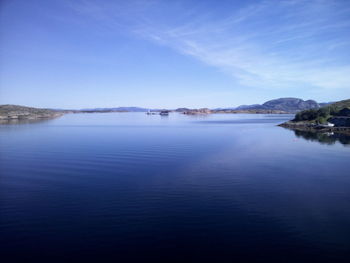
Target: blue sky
column 153, row 53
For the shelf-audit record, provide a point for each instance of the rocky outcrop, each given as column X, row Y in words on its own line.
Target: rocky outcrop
column 15, row 112
column 197, row 111
column 311, row 127
column 330, row 118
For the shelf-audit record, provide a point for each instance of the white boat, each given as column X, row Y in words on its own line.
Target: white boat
column 327, row 125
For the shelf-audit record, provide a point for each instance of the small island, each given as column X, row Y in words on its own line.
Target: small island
column 334, row 117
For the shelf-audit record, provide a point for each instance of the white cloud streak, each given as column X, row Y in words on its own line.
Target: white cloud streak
column 270, row 44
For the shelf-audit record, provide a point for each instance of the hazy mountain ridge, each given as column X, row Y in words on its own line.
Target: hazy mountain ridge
column 283, row 104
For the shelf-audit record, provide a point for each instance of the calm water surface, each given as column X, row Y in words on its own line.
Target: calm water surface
column 127, row 187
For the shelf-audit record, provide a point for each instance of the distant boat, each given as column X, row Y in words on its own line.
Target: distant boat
column 164, row 113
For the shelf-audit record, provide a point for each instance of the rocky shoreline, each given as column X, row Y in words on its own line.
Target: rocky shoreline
column 14, row 112
column 311, row 127
column 332, row 118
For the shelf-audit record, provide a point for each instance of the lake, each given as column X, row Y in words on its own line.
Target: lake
column 128, row 187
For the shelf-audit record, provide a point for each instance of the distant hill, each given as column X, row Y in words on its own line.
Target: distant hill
column 250, row 107
column 322, row 104
column 182, row 109
column 290, row 104
column 283, row 104
column 337, row 106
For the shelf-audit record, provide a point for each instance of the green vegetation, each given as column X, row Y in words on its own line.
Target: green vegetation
column 9, row 109
column 321, row 115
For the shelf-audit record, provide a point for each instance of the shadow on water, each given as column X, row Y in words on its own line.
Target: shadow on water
column 328, row 138
column 243, row 121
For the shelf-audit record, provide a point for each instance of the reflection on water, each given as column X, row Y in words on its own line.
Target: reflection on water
column 25, row 121
column 132, row 187
column 324, row 137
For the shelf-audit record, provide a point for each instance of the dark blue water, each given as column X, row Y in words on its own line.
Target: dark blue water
column 127, row 187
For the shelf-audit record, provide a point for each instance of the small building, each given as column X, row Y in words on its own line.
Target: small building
column 328, row 124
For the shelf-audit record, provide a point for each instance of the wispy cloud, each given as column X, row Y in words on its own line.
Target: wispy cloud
column 269, row 44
